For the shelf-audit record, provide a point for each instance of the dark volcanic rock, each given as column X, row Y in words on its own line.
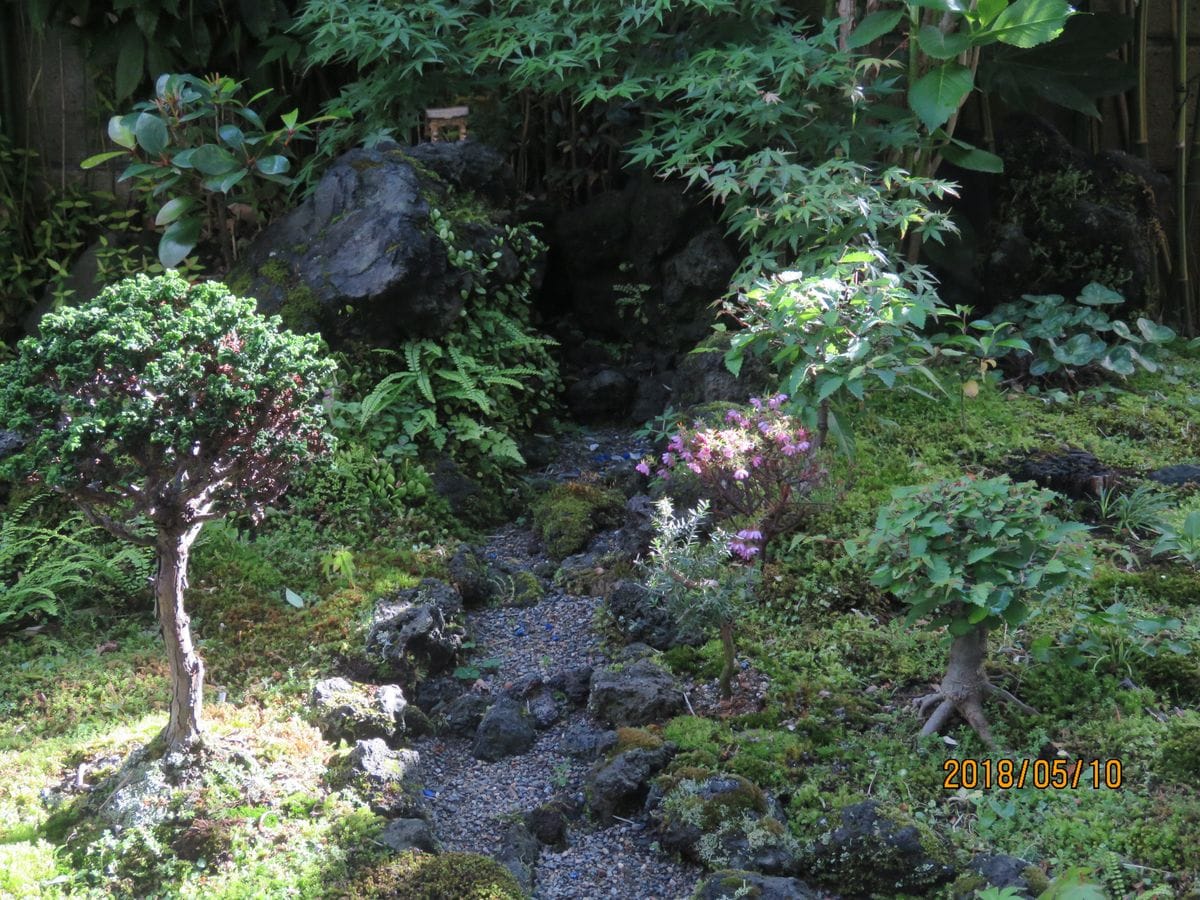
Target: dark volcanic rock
column 411, row 631
column 351, row 712
column 385, row 778
column 584, row 741
column 462, row 715
column 643, row 618
column 869, row 855
column 1173, row 475
column 622, row 783
column 1002, row 871
column 606, row 394
column 503, row 731
column 637, row 694
column 364, row 241
column 519, row 851
column 1075, row 473
column 410, row 834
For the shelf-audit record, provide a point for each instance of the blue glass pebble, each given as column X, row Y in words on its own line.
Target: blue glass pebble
column 519, row 631
column 428, row 793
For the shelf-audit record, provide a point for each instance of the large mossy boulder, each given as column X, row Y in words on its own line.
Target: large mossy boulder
column 363, row 258
column 568, row 515
column 346, row 711
column 869, row 854
column 724, row 821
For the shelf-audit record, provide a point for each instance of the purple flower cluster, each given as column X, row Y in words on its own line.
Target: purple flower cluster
column 746, row 544
column 755, row 465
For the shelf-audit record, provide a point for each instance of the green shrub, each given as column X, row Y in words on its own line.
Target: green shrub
column 1070, row 341
column 202, row 151
column 971, row 554
column 156, row 408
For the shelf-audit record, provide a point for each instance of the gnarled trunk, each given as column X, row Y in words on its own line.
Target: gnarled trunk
column 187, row 669
column 964, row 687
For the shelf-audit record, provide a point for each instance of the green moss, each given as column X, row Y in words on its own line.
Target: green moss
column 568, row 515
column 1180, row 751
column 1036, row 879
column 1173, row 675
column 692, row 733
column 526, row 589
column 365, row 165
column 637, row 738
column 683, row 802
column 419, row 876
column 1166, row 585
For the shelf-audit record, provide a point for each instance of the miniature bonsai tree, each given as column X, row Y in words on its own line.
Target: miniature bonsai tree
column 973, row 555
column 157, row 407
column 697, row 577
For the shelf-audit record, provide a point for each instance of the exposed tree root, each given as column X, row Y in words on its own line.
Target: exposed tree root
column 963, row 689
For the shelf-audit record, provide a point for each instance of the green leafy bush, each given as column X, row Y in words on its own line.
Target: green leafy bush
column 973, row 555
column 1070, row 341
column 209, row 154
column 43, row 230
column 836, row 333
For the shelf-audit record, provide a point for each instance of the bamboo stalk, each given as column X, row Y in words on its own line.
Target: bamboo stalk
column 1182, row 281
column 1142, row 143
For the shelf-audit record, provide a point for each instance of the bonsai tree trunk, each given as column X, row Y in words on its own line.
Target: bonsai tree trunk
column 726, row 682
column 187, row 669
column 963, row 689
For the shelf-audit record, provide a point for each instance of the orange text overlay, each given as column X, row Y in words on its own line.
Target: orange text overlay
column 1043, row 774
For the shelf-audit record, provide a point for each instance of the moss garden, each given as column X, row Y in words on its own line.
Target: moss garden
column 664, row 449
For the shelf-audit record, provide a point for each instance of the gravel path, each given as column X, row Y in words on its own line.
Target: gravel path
column 472, row 800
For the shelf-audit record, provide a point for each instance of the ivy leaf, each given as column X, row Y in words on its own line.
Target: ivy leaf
column 1155, row 333
column 1028, row 23
column 937, row 94
column 874, row 26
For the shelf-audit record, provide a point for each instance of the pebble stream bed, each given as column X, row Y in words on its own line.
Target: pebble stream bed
column 472, row 800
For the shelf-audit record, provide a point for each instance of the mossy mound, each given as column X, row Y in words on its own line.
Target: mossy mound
column 568, row 515
column 1180, row 752
column 419, row 876
column 1171, row 674
column 637, row 738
